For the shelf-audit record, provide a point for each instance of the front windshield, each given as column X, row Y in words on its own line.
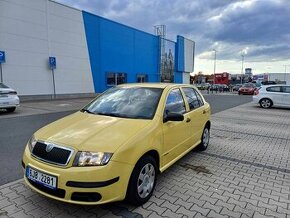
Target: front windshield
column 134, row 102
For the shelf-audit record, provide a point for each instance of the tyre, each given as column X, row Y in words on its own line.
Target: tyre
column 266, row 103
column 11, row 109
column 204, row 139
column 142, row 181
column 239, row 93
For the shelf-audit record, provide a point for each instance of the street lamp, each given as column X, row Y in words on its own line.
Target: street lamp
column 214, row 65
column 242, row 67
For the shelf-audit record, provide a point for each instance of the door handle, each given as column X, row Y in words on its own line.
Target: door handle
column 188, row 119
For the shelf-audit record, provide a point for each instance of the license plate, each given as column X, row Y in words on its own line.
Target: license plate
column 41, row 178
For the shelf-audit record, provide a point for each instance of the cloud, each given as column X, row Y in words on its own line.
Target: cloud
column 259, row 29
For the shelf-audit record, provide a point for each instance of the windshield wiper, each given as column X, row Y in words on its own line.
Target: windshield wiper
column 109, row 114
column 88, row 111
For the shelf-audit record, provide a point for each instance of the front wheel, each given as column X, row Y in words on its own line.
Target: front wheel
column 142, row 181
column 204, row 139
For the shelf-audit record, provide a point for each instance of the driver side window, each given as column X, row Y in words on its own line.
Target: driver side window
column 175, row 102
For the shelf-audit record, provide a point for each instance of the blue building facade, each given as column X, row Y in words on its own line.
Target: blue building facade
column 121, row 54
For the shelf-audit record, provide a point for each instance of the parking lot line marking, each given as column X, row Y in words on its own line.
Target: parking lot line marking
column 253, row 134
column 248, row 120
column 247, row 162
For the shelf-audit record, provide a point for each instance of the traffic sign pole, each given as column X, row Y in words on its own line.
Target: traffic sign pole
column 52, row 65
column 54, row 94
column 1, row 73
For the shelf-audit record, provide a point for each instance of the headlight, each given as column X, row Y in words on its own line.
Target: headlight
column 31, row 143
column 86, row 158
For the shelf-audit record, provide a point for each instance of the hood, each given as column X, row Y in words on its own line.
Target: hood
column 89, row 132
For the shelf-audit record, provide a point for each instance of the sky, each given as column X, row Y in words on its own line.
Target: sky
column 259, row 30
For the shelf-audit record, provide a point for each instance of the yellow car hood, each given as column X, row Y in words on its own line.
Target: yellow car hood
column 89, row 132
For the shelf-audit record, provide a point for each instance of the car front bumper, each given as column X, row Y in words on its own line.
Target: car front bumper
column 82, row 185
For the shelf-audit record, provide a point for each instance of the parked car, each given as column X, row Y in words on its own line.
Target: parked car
column 268, row 83
column 237, row 87
column 247, row 89
column 224, row 88
column 272, row 95
column 8, row 98
column 115, row 146
column 202, row 86
column 214, row 87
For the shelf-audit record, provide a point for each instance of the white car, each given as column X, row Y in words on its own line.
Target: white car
column 8, row 98
column 272, row 95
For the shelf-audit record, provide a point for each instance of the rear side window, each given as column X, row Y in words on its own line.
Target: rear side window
column 194, row 100
column 201, row 103
column 286, row 89
column 175, row 102
column 274, row 89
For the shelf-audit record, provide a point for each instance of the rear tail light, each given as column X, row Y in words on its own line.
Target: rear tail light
column 12, row 93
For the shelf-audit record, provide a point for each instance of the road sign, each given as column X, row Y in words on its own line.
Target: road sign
column 2, row 56
column 52, row 62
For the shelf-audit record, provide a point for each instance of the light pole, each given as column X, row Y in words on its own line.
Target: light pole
column 285, row 72
column 214, row 65
column 242, row 67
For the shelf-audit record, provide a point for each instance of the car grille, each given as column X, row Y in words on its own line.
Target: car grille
column 57, row 155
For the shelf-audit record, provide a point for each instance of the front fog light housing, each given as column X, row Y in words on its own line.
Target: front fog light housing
column 86, row 158
column 31, row 143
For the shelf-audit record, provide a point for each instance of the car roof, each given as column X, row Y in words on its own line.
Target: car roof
column 274, row 85
column 154, row 85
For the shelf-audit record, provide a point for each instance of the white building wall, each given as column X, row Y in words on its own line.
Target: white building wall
column 188, row 55
column 33, row 30
column 279, row 77
column 188, row 60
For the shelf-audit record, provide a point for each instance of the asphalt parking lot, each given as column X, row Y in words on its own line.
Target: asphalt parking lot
column 244, row 173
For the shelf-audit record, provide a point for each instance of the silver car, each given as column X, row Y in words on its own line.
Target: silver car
column 8, row 98
column 272, row 95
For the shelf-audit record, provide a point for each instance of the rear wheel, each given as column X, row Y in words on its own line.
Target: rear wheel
column 266, row 103
column 204, row 139
column 11, row 109
column 142, row 181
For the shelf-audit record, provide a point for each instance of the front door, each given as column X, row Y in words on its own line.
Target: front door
column 175, row 133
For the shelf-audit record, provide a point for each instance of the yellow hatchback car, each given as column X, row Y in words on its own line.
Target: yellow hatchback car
column 115, row 146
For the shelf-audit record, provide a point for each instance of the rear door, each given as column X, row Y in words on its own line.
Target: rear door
column 197, row 113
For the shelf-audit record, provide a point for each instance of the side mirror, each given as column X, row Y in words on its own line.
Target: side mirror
column 173, row 117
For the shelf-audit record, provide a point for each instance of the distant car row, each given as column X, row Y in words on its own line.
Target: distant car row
column 8, row 98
